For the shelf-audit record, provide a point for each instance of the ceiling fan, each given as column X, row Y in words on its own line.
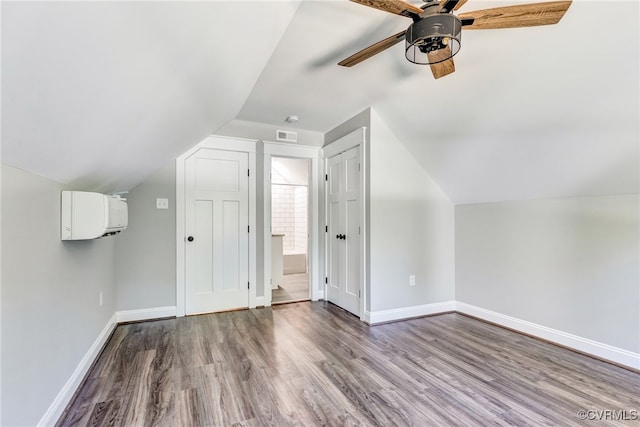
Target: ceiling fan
column 434, row 36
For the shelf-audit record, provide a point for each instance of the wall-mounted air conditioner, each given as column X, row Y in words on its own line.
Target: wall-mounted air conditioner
column 86, row 215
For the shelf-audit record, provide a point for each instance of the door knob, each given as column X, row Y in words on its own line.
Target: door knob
column 190, row 238
column 337, row 236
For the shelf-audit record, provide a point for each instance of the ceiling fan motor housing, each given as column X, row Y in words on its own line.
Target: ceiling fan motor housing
column 433, row 33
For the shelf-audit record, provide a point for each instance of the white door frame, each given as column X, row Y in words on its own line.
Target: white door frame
column 217, row 143
column 279, row 149
column 356, row 138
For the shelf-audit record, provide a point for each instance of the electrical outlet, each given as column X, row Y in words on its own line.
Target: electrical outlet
column 100, row 298
column 162, row 203
column 412, row 280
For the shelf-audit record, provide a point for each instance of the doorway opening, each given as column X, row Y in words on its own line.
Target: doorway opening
column 289, row 230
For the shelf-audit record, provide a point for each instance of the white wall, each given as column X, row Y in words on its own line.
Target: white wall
column 265, row 132
column 570, row 264
column 50, row 296
column 283, row 215
column 301, row 203
column 146, row 250
column 362, row 119
column 410, row 223
column 289, row 216
column 289, row 171
column 411, row 228
column 146, row 269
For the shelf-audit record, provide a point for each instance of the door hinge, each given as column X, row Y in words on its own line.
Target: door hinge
column 358, row 167
column 326, row 177
column 358, row 293
column 358, row 230
column 248, row 229
column 248, row 285
column 326, row 228
column 248, row 172
column 326, row 280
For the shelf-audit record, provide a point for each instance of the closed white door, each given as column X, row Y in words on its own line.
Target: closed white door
column 343, row 201
column 217, row 234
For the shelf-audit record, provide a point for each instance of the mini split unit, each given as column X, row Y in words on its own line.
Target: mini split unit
column 86, row 215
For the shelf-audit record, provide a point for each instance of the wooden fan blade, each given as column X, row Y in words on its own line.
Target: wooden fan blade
column 449, row 5
column 399, row 7
column 374, row 49
column 526, row 15
column 460, row 4
column 443, row 68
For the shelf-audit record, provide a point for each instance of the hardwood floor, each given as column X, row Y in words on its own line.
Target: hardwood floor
column 295, row 287
column 314, row 364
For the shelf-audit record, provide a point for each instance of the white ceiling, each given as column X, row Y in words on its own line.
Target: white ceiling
column 100, row 94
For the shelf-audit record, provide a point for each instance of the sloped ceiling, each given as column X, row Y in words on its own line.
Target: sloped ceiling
column 552, row 113
column 530, row 113
column 100, row 94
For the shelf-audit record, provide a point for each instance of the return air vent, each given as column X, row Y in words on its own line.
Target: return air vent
column 286, row 136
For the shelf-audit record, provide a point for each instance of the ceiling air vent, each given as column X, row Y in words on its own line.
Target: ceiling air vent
column 286, row 136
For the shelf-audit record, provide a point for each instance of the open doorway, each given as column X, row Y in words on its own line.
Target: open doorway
column 289, row 230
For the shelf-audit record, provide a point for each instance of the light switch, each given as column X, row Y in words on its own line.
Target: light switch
column 162, row 203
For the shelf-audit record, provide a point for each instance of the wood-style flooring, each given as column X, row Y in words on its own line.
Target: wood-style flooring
column 295, row 287
column 314, row 364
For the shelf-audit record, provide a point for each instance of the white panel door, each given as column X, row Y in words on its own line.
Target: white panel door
column 335, row 225
column 343, row 201
column 217, row 218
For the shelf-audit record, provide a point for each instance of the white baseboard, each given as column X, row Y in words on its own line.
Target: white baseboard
column 585, row 345
column 383, row 316
column 145, row 314
column 65, row 395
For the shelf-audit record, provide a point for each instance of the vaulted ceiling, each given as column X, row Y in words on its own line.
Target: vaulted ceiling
column 98, row 94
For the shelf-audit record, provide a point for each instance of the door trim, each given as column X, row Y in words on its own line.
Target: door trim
column 217, row 143
column 279, row 149
column 356, row 138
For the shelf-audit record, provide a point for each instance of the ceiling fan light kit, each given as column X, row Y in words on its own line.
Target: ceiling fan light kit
column 430, row 34
column 434, row 37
